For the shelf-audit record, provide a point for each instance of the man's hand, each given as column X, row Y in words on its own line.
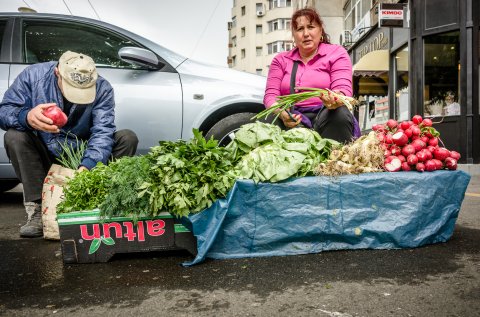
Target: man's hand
column 38, row 121
column 82, row 168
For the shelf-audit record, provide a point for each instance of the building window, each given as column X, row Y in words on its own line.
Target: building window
column 258, row 71
column 242, row 32
column 366, row 6
column 259, row 6
column 234, row 60
column 278, row 24
column 259, row 29
column 234, row 3
column 243, row 10
column 279, row 46
column 259, row 51
column 243, row 53
column 272, row 4
column 273, row 25
column 234, row 41
column 349, row 21
column 442, row 74
column 234, row 21
column 354, row 11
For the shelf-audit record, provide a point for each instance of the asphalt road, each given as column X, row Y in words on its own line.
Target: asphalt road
column 435, row 280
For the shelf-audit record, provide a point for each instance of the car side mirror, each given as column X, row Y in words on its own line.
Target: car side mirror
column 140, row 57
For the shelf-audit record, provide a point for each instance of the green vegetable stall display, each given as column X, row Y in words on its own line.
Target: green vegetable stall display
column 268, row 193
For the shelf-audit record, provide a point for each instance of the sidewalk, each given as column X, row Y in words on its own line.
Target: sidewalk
column 472, row 169
column 473, row 189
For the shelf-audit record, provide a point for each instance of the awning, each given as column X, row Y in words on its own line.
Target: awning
column 372, row 64
column 376, row 63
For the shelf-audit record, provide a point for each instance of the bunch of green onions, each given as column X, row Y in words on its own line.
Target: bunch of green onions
column 285, row 102
column 70, row 155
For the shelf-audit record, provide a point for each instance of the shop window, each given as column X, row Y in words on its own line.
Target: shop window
column 441, row 13
column 370, row 86
column 401, row 85
column 442, row 74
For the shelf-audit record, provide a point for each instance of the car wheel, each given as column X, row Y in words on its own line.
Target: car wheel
column 7, row 185
column 224, row 130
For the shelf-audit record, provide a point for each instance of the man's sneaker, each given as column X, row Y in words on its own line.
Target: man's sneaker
column 34, row 227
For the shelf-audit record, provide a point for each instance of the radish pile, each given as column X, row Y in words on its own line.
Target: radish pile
column 413, row 146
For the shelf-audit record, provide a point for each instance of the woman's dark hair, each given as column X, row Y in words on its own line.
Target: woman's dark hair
column 312, row 16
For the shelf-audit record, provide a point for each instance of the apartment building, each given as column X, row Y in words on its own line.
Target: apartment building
column 259, row 29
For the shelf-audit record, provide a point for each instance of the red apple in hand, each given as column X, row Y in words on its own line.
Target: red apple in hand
column 58, row 117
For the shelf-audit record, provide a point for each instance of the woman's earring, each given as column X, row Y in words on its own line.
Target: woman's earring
column 321, row 39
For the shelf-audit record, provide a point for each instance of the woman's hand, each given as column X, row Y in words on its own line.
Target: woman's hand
column 330, row 101
column 290, row 122
column 38, row 121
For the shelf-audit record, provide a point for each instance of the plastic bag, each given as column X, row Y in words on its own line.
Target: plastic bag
column 52, row 193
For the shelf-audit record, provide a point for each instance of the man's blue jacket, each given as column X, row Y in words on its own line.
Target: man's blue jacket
column 37, row 84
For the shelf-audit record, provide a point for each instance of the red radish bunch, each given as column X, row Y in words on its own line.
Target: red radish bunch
column 413, row 145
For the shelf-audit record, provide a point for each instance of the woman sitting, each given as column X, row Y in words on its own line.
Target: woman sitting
column 316, row 63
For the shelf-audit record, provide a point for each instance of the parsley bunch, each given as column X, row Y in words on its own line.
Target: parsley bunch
column 187, row 177
column 86, row 190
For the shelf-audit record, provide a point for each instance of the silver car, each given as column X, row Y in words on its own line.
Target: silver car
column 158, row 94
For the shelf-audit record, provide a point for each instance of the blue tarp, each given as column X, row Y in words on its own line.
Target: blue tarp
column 315, row 214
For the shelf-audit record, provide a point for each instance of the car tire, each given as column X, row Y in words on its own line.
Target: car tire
column 224, row 130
